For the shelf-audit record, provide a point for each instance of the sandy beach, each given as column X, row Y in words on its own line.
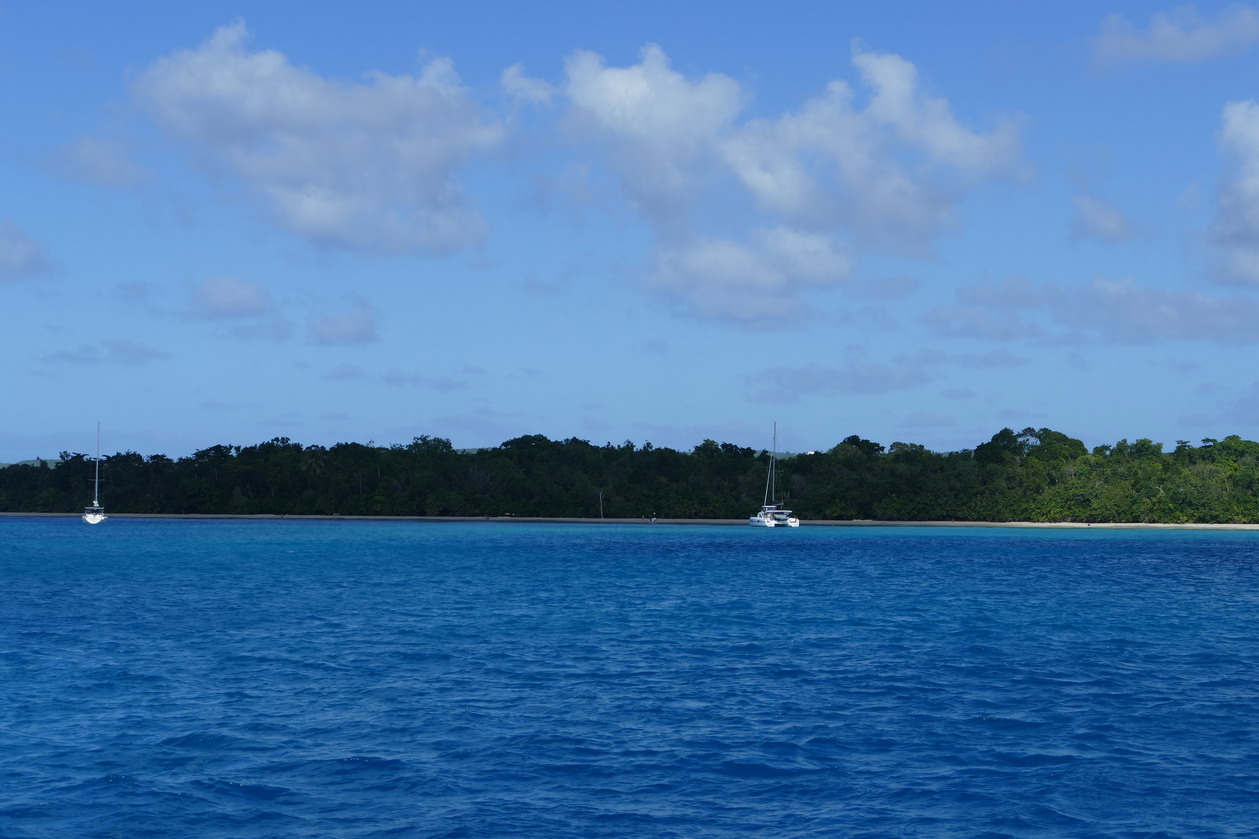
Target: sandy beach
column 663, row 520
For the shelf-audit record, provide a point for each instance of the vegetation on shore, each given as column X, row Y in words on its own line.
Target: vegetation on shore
column 1033, row 475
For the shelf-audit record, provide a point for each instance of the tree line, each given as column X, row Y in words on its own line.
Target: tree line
column 1033, row 475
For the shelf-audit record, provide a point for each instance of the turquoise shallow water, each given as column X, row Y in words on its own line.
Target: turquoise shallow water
column 353, row 679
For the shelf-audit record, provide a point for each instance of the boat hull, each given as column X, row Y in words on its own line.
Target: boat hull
column 772, row 519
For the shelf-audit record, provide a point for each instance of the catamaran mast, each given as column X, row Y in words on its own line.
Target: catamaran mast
column 770, row 490
column 96, row 483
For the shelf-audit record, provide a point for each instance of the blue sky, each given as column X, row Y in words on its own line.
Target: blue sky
column 665, row 222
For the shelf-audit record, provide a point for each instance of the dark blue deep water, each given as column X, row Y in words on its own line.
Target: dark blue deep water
column 370, row 679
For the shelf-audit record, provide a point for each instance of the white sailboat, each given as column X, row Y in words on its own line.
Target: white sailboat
column 96, row 513
column 771, row 514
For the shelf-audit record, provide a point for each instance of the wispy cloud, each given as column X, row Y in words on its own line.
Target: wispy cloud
column 1110, row 310
column 1181, row 36
column 244, row 306
column 999, row 357
column 961, row 321
column 457, row 380
column 356, row 326
column 1098, row 219
column 21, row 257
column 97, row 161
column 229, row 297
column 1124, row 311
column 855, row 377
column 115, row 351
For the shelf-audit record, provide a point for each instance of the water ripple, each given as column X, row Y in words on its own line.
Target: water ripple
column 229, row 679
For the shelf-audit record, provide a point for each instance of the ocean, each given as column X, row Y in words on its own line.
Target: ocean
column 181, row 678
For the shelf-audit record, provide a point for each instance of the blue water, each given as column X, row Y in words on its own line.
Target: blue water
column 369, row 679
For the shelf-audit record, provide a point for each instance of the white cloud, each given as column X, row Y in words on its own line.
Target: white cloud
column 827, row 180
column 928, row 123
column 1099, row 219
column 366, row 165
column 749, row 281
column 1235, row 229
column 519, row 86
column 1181, row 36
column 21, row 257
column 357, row 326
column 657, row 127
column 833, row 162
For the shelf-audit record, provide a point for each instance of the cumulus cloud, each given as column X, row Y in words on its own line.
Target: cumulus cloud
column 367, row 165
column 755, row 280
column 892, row 171
column 1181, row 36
column 357, row 326
column 519, row 86
column 1099, row 219
column 21, row 257
column 657, row 127
column 835, row 176
column 1235, row 229
column 927, row 122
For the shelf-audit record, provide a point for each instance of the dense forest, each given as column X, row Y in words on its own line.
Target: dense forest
column 1032, row 475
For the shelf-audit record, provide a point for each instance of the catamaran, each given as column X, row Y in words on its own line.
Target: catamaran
column 96, row 513
column 771, row 514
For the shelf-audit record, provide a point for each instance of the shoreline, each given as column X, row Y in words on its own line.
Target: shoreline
column 658, row 520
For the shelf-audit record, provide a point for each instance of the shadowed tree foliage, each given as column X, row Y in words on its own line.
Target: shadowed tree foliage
column 1029, row 475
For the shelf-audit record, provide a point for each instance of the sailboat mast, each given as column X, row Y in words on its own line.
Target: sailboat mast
column 773, row 469
column 770, row 489
column 96, row 483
